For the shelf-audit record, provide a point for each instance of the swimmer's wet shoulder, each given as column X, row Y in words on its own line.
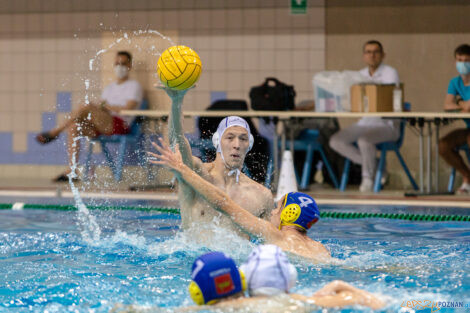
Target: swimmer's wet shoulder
column 300, row 244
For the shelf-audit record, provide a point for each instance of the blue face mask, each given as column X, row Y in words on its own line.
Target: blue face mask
column 463, row 68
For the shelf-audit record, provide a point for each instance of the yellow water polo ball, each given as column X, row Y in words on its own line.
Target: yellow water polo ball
column 179, row 67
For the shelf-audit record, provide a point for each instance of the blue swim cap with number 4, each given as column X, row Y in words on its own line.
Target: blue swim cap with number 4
column 299, row 209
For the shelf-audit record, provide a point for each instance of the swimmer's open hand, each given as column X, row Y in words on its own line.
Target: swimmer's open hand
column 175, row 95
column 168, row 158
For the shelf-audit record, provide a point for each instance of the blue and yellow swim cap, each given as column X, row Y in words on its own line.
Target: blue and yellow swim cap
column 299, row 209
column 215, row 276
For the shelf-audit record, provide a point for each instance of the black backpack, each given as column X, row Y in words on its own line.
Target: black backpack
column 272, row 95
column 208, row 125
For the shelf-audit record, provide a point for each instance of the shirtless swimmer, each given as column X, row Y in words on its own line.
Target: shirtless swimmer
column 287, row 228
column 233, row 140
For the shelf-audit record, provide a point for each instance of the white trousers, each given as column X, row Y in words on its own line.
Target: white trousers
column 366, row 137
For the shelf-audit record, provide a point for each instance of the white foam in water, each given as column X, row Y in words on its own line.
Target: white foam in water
column 201, row 237
column 129, row 239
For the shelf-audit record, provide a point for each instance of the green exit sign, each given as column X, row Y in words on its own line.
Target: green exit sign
column 298, row 6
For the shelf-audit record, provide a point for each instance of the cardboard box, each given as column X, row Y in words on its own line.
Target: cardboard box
column 373, row 97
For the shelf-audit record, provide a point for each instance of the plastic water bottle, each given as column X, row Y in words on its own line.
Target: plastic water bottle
column 365, row 101
column 321, row 105
column 397, row 99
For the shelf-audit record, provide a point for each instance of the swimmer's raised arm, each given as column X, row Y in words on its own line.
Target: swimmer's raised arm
column 175, row 128
column 215, row 196
column 176, row 137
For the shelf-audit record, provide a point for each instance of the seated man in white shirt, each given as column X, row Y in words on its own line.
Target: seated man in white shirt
column 94, row 119
column 369, row 131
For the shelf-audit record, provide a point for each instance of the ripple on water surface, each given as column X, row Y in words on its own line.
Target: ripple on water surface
column 141, row 259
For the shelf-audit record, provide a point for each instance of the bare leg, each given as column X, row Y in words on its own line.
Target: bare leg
column 448, row 150
column 100, row 119
column 89, row 121
column 73, row 146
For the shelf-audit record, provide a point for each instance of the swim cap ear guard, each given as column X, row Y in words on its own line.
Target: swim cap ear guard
column 229, row 122
column 215, row 276
column 290, row 213
column 299, row 209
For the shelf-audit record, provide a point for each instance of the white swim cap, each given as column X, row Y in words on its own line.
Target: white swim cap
column 268, row 271
column 227, row 122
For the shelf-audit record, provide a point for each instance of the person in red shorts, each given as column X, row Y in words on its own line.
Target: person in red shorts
column 94, row 119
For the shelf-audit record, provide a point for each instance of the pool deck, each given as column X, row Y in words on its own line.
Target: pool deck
column 42, row 188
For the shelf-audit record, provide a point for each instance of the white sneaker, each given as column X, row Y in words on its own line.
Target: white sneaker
column 366, row 185
column 384, row 178
column 464, row 189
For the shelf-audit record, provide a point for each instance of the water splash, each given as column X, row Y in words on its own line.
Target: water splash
column 199, row 239
column 144, row 267
column 90, row 229
column 87, row 87
column 125, row 36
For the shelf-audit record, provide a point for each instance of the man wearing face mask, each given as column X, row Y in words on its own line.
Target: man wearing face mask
column 458, row 99
column 94, row 119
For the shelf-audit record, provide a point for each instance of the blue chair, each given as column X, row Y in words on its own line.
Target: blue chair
column 308, row 141
column 135, row 136
column 383, row 148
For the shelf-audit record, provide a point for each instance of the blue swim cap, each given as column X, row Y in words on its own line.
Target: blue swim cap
column 299, row 209
column 215, row 276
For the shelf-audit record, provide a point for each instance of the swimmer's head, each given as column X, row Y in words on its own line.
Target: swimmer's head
column 215, row 276
column 233, row 140
column 296, row 209
column 268, row 271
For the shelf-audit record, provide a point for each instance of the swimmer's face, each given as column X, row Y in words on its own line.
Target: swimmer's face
column 276, row 213
column 234, row 144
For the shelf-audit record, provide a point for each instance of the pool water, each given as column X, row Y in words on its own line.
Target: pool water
column 46, row 265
